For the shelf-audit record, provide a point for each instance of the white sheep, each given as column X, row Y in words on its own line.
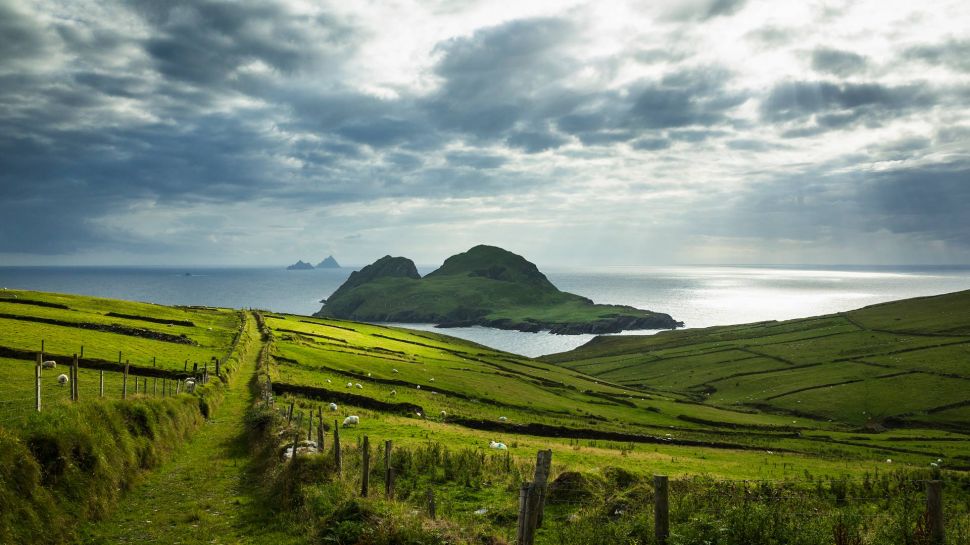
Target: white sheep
column 350, row 384
column 395, row 370
column 503, row 418
column 351, row 420
column 329, row 381
column 419, row 414
column 432, row 379
column 889, row 460
column 333, row 406
column 368, row 374
column 419, row 386
column 358, row 386
column 393, row 392
column 444, row 414
column 190, row 385
column 49, row 364
column 62, row 379
column 498, row 446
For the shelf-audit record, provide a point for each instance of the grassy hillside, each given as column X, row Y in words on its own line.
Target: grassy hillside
column 771, row 402
column 403, row 373
column 74, row 461
column 904, row 363
column 485, row 286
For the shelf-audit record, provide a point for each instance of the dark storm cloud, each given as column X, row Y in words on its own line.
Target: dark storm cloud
column 928, row 201
column 205, row 42
column 21, row 37
column 828, row 106
column 491, row 79
column 814, row 204
column 680, row 99
column 954, row 54
column 838, row 62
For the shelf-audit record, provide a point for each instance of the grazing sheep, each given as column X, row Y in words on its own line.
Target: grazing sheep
column 329, row 381
column 419, row 414
column 432, row 379
column 358, row 386
column 393, row 392
column 350, row 384
column 62, row 379
column 444, row 414
column 351, row 420
column 419, row 386
column 49, row 364
column 503, row 418
column 190, row 385
column 498, row 446
column 889, row 460
column 368, row 375
column 394, row 370
column 333, row 406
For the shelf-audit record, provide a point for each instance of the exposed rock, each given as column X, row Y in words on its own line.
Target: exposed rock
column 300, row 266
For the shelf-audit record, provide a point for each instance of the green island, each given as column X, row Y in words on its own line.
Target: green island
column 486, row 286
column 812, row 431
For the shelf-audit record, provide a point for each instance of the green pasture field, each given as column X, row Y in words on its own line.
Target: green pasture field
column 839, row 367
column 212, row 332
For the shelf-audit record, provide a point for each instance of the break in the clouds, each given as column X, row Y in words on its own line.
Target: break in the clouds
column 725, row 131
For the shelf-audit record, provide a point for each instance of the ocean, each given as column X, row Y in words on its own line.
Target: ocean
column 700, row 296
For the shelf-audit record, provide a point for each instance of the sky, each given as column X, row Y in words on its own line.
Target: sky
column 574, row 133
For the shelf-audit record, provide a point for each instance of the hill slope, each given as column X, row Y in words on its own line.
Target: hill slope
column 485, row 286
column 899, row 363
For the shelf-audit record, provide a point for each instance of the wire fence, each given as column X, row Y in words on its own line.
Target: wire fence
column 27, row 388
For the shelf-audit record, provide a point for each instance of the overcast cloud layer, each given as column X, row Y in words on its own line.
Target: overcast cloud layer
column 704, row 131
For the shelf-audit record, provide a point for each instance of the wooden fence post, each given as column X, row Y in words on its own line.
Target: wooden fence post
column 934, row 512
column 101, row 383
column 124, row 384
column 289, row 415
column 309, row 428
column 543, row 467
column 661, row 509
column 388, row 477
column 178, row 387
column 154, row 379
column 40, row 361
column 74, row 373
column 296, row 439
column 521, row 532
column 320, row 435
column 365, row 468
column 336, row 448
column 432, row 509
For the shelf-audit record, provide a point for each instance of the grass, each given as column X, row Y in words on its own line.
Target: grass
column 780, row 402
column 843, row 367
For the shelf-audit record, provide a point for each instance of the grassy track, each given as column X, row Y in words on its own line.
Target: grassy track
column 201, row 495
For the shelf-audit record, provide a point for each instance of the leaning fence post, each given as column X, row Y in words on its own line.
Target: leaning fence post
column 365, row 468
column 40, row 358
column 336, row 448
column 388, row 477
column 543, row 466
column 289, row 415
column 934, row 512
column 124, row 384
column 661, row 509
